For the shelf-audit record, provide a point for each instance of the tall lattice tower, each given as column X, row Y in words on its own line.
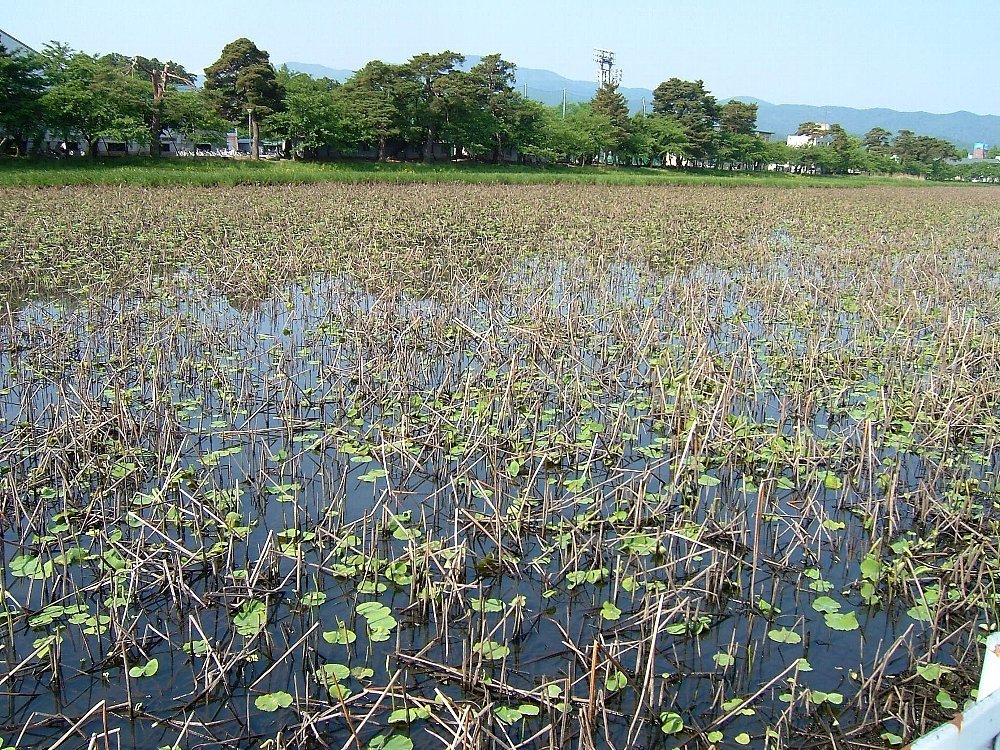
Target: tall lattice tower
column 609, row 74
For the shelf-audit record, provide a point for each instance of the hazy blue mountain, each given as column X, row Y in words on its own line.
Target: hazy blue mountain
column 320, row 71
column 961, row 128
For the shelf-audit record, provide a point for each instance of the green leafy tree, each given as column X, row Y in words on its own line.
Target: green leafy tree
column 741, row 150
column 877, row 146
column 778, row 153
column 923, row 154
column 437, row 95
column 243, row 82
column 313, row 116
column 190, row 114
column 658, row 139
column 22, row 83
column 738, row 117
column 580, row 136
column 88, row 97
column 694, row 108
column 844, row 154
column 878, row 141
column 379, row 99
column 500, row 116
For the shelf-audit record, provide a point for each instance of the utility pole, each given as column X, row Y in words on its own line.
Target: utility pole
column 564, row 104
column 525, row 91
column 643, row 106
column 609, row 74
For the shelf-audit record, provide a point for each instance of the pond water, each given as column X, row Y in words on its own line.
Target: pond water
column 610, row 506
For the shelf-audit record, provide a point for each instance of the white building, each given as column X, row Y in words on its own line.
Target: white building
column 819, row 136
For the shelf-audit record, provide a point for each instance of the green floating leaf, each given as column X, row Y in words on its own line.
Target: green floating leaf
column 830, row 480
column 251, row 618
column 491, row 650
column 146, row 670
column 615, row 682
column 334, row 672
column 841, row 621
column 723, row 659
column 373, row 476
column 707, row 480
column 377, row 615
column 932, row 672
column 408, row 715
column 486, row 605
column 736, row 702
column 610, row 612
column 671, row 723
column 313, row 599
column 196, row 648
column 945, row 700
column 871, row 568
column 273, row 701
column 512, row 714
column 26, row 566
column 742, row 739
column 784, row 635
column 920, row 613
column 818, row 697
column 766, row 608
column 341, row 636
column 826, row 604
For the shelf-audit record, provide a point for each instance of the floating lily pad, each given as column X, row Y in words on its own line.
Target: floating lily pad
column 273, row 701
column 784, row 635
column 841, row 620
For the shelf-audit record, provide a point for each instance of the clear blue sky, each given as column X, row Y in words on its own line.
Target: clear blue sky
column 903, row 54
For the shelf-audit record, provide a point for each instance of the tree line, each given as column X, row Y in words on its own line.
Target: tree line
column 395, row 110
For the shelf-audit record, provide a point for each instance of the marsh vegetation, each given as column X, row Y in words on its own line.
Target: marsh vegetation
column 392, row 466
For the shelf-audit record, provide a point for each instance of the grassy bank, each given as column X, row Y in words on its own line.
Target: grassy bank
column 211, row 171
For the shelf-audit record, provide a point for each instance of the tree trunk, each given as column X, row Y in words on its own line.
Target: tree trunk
column 429, row 146
column 156, row 127
column 254, row 137
column 381, row 148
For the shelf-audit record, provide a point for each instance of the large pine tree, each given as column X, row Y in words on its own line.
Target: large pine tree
column 243, row 82
column 611, row 103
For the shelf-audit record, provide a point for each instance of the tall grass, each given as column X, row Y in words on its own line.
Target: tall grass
column 229, row 172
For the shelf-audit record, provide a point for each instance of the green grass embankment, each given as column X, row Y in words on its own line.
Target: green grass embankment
column 216, row 171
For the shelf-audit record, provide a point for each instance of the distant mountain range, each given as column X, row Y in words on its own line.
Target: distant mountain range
column 961, row 128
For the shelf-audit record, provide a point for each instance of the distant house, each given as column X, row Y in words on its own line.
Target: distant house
column 820, row 136
column 980, row 151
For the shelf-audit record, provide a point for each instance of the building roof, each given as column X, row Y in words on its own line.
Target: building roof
column 13, row 45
